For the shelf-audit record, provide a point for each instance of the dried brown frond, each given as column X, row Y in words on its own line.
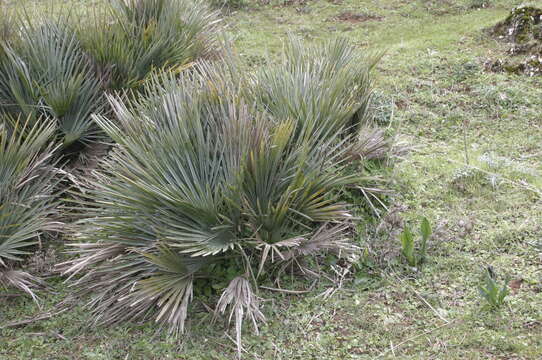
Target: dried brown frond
column 20, row 280
column 91, row 254
column 371, row 144
column 327, row 238
column 242, row 301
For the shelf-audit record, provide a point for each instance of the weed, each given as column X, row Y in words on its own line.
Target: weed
column 467, row 178
column 382, row 108
column 415, row 256
column 492, row 292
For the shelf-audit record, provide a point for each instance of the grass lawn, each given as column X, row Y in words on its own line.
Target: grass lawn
column 474, row 171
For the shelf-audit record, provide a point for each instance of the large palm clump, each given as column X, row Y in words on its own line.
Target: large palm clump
column 213, row 169
column 27, row 197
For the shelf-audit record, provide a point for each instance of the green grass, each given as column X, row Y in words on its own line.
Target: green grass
column 487, row 212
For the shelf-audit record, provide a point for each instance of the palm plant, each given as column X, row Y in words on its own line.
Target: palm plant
column 27, row 204
column 141, row 36
column 48, row 74
column 328, row 88
column 200, row 178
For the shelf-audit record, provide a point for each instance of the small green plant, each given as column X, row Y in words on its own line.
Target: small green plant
column 491, row 291
column 413, row 256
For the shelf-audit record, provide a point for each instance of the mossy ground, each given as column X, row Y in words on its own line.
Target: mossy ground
column 487, row 211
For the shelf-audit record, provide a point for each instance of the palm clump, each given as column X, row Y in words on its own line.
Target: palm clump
column 55, row 75
column 53, row 69
column 215, row 170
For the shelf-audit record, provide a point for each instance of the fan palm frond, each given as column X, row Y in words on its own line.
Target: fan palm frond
column 69, row 89
column 18, row 95
column 20, row 280
column 325, row 87
column 27, row 195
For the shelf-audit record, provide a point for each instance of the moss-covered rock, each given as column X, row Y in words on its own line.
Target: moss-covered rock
column 522, row 30
column 524, row 24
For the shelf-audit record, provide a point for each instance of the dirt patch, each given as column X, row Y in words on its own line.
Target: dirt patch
column 287, row 3
column 355, row 18
column 522, row 32
column 442, row 7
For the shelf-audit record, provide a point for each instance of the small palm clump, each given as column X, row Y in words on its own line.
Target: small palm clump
column 46, row 73
column 142, row 36
column 215, row 170
column 27, row 197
